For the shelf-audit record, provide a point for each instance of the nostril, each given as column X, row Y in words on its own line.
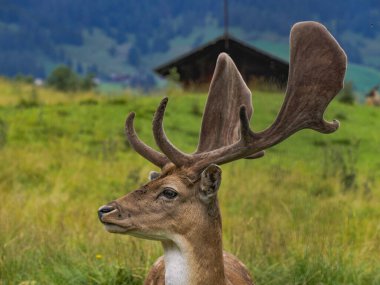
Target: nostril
column 104, row 210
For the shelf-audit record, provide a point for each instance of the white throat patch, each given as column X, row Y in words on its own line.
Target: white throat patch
column 176, row 270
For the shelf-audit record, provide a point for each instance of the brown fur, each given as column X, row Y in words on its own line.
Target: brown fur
column 144, row 213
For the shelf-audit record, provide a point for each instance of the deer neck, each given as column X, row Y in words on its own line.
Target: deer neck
column 197, row 257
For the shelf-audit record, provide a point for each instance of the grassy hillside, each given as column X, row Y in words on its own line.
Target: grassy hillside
column 363, row 77
column 306, row 213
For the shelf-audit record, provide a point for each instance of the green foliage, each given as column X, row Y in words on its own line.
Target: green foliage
column 64, row 79
column 286, row 215
column 173, row 75
column 196, row 110
column 347, row 95
column 88, row 101
column 31, row 101
column 24, row 78
column 87, row 82
column 3, row 133
column 125, row 277
column 349, row 171
column 174, row 85
column 341, row 161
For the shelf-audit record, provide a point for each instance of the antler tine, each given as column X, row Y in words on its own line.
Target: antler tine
column 140, row 147
column 317, row 69
column 174, row 155
column 244, row 148
column 245, row 132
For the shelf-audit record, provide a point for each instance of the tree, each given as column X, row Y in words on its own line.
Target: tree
column 64, row 79
column 87, row 82
column 347, row 95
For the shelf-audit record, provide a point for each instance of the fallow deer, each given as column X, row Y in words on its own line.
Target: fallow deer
column 179, row 206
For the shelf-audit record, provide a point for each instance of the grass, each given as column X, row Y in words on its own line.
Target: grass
column 306, row 213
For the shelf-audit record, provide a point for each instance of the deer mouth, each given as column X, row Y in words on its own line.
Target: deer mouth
column 117, row 228
column 114, row 228
column 131, row 230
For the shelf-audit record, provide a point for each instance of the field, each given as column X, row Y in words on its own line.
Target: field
column 306, row 213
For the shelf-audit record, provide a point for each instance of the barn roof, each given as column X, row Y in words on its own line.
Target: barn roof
column 196, row 65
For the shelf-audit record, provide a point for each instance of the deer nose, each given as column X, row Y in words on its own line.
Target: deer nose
column 104, row 210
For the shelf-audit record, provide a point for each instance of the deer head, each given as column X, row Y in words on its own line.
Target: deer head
column 180, row 202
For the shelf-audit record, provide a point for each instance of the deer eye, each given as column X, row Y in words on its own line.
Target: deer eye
column 169, row 193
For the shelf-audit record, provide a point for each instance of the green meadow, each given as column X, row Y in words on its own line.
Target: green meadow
column 308, row 212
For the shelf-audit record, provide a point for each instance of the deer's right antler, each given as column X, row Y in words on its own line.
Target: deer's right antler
column 317, row 69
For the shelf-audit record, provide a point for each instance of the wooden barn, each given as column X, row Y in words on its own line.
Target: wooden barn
column 196, row 67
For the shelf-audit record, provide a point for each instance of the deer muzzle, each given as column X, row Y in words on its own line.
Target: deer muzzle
column 105, row 210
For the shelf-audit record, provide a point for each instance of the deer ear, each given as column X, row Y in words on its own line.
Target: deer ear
column 153, row 175
column 211, row 178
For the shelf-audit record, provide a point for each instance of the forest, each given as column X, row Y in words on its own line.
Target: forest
column 37, row 35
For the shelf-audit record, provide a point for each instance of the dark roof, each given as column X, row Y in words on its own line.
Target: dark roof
column 197, row 66
column 161, row 69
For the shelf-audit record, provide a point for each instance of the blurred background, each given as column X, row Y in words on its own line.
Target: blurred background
column 121, row 42
column 70, row 71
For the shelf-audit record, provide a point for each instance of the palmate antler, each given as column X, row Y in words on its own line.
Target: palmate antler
column 317, row 69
